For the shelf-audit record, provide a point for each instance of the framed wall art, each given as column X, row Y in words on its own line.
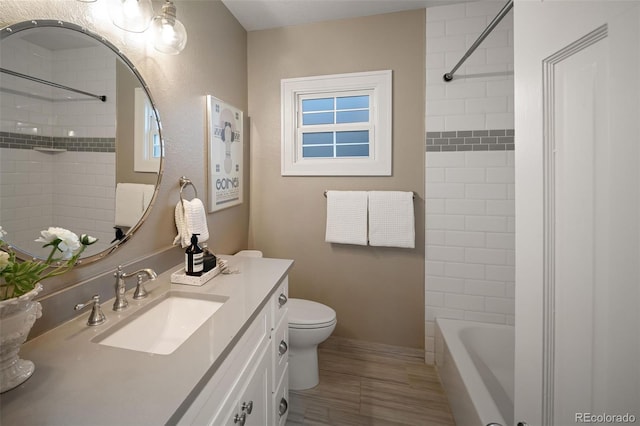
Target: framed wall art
column 225, row 154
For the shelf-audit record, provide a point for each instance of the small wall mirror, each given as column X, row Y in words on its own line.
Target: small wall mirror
column 80, row 138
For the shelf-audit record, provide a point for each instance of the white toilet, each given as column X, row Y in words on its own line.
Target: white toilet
column 310, row 323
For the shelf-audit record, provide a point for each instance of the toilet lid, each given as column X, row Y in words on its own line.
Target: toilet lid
column 309, row 313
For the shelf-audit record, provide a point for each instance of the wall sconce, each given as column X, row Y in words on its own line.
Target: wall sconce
column 169, row 34
column 131, row 15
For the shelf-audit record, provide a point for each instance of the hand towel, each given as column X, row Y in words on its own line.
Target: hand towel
column 391, row 219
column 190, row 218
column 130, row 203
column 346, row 217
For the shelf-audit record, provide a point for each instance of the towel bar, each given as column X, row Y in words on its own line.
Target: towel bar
column 325, row 195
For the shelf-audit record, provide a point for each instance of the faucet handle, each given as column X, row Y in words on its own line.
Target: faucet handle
column 96, row 317
column 140, row 292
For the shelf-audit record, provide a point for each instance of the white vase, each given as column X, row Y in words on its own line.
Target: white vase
column 17, row 316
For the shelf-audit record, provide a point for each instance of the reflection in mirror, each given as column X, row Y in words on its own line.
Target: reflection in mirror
column 80, row 143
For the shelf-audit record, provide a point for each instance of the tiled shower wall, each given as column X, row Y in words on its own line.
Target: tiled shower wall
column 470, row 206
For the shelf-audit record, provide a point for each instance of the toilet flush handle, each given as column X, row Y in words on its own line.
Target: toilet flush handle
column 282, row 299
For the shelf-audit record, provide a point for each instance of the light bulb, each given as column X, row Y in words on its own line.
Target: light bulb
column 131, row 15
column 170, row 35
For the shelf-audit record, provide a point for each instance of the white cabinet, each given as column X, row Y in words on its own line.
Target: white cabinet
column 251, row 385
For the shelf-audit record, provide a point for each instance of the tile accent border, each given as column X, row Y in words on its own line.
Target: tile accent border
column 21, row 141
column 471, row 140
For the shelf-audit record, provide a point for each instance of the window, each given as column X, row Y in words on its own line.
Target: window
column 337, row 125
column 147, row 147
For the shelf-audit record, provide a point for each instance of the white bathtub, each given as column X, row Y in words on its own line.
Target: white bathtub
column 475, row 362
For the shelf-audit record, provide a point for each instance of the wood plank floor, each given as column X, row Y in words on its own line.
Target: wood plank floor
column 371, row 384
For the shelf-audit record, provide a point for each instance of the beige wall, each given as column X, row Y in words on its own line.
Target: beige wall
column 214, row 62
column 377, row 292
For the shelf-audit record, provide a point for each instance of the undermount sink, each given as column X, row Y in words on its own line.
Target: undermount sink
column 165, row 324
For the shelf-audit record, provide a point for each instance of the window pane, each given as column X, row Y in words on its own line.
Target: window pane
column 352, row 150
column 319, row 138
column 317, row 152
column 324, row 104
column 352, row 116
column 317, row 118
column 360, row 136
column 352, row 102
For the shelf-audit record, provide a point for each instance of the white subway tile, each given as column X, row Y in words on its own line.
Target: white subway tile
column 465, row 122
column 443, row 13
column 500, row 175
column 500, row 240
column 486, row 223
column 464, row 301
column 511, row 191
column 486, row 105
column 497, row 273
column 435, row 175
column 511, row 257
column 434, row 268
column 464, row 270
column 473, row 207
column 446, row 190
column 444, row 284
column 436, row 92
column 447, row 254
column 435, row 29
column 500, row 55
column 435, row 238
column 434, row 298
column 465, row 238
column 464, row 175
column 445, row 222
column 433, row 312
column 500, row 120
column 510, row 289
column 485, row 288
column 486, row 159
column 511, row 224
column 435, row 206
column 485, row 317
column 500, row 87
column 499, row 305
column 501, row 207
column 430, row 328
column 486, row 191
column 462, row 89
column 434, row 124
column 445, row 159
column 475, row 24
column 446, row 44
column 485, row 256
column 488, row 9
column 445, row 106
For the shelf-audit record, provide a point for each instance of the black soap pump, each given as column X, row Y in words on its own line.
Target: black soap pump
column 194, row 258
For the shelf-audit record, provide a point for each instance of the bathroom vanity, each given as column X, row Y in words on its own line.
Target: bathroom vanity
column 232, row 370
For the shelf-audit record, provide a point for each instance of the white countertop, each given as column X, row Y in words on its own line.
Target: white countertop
column 79, row 382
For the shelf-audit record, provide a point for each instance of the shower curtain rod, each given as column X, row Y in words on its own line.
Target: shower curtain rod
column 449, row 76
column 103, row 98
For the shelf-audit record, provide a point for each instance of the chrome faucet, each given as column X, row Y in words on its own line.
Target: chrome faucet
column 121, row 301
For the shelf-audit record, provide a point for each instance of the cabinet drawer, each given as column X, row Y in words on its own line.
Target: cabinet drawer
column 279, row 302
column 280, row 342
column 281, row 400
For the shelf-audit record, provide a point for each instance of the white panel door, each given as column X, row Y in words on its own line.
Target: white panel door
column 578, row 212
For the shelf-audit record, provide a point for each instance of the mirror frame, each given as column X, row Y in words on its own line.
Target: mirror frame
column 43, row 23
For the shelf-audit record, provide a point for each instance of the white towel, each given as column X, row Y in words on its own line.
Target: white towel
column 191, row 218
column 346, row 217
column 131, row 203
column 391, row 219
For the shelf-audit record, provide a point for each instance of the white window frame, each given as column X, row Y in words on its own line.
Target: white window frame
column 145, row 132
column 379, row 161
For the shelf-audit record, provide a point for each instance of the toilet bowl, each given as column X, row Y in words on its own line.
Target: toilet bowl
column 310, row 323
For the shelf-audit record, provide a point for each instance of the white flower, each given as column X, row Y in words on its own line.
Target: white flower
column 3, row 233
column 87, row 240
column 4, row 260
column 66, row 241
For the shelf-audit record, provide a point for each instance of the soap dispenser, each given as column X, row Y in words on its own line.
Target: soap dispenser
column 194, row 258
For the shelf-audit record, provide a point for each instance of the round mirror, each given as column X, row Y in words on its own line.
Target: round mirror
column 80, row 141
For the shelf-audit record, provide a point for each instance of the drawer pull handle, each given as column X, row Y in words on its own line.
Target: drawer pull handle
column 247, row 406
column 282, row 348
column 282, row 299
column 240, row 418
column 284, row 405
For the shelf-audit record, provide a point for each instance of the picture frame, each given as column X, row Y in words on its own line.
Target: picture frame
column 225, row 154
